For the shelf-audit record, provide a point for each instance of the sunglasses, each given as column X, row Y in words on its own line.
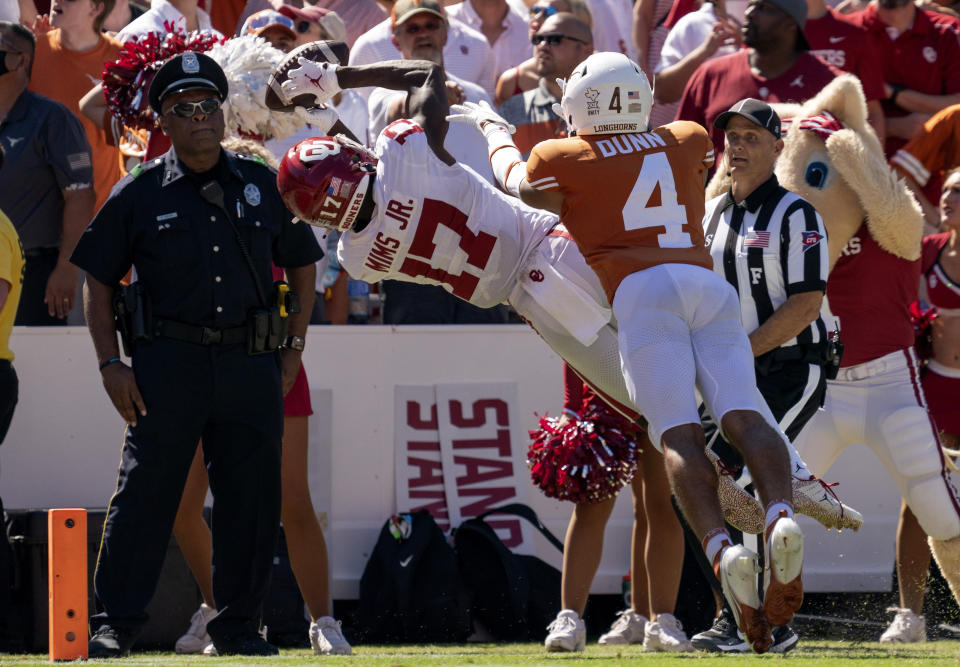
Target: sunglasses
column 417, row 28
column 189, row 109
column 546, row 10
column 258, row 22
column 552, row 39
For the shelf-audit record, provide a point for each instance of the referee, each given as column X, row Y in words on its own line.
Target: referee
column 771, row 245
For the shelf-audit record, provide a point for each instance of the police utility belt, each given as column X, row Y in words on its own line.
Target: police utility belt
column 827, row 354
column 264, row 331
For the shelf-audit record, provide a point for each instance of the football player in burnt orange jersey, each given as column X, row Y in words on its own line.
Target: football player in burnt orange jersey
column 633, row 201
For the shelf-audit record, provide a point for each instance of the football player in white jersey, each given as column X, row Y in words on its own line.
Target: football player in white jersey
column 423, row 187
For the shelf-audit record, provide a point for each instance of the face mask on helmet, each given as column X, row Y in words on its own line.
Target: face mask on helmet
column 324, row 180
column 606, row 94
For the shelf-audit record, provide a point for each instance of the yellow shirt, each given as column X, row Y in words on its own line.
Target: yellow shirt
column 11, row 271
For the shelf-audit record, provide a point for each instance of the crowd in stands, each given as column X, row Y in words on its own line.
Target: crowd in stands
column 65, row 150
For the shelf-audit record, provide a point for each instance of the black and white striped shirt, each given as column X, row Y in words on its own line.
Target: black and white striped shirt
column 770, row 246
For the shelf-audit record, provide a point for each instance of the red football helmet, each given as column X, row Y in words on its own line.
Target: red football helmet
column 323, row 180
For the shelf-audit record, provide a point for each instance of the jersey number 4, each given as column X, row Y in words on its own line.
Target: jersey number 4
column 653, row 203
column 478, row 247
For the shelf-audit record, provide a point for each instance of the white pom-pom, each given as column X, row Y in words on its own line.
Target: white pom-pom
column 247, row 62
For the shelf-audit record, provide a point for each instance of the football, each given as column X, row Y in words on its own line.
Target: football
column 323, row 51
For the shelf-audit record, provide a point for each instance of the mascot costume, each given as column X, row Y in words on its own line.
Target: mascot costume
column 833, row 159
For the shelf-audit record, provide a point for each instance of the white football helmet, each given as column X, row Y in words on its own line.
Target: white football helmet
column 606, row 94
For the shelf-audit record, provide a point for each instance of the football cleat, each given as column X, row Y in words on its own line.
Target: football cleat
column 815, row 498
column 736, row 569
column 782, row 581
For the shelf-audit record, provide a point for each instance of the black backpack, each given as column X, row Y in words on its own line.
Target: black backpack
column 411, row 589
column 514, row 596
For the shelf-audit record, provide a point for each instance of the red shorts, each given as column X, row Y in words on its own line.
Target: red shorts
column 941, row 392
column 297, row 402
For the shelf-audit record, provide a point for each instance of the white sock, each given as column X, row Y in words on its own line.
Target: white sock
column 773, row 512
column 714, row 542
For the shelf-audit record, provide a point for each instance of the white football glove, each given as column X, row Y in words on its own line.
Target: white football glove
column 481, row 115
column 312, row 78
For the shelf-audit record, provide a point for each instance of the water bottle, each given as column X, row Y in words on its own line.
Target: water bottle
column 358, row 302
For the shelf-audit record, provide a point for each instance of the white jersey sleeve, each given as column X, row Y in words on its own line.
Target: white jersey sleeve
column 440, row 224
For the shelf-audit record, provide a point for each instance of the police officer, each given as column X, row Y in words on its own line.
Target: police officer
column 201, row 226
column 771, row 246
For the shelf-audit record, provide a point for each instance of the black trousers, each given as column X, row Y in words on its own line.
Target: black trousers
column 793, row 392
column 232, row 402
column 37, row 268
column 411, row 303
column 9, row 394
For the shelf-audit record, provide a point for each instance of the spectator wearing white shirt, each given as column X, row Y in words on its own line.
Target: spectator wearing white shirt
column 420, row 32
column 696, row 38
column 184, row 15
column 612, row 26
column 504, row 28
column 467, row 55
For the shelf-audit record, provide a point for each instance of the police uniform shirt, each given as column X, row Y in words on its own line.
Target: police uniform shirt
column 46, row 152
column 770, row 246
column 184, row 249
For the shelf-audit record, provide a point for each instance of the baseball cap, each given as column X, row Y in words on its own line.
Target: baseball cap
column 404, row 9
column 187, row 71
column 327, row 19
column 259, row 22
column 797, row 10
column 757, row 112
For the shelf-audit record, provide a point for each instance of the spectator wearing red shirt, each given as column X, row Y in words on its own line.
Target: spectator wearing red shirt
column 921, row 64
column 837, row 41
column 776, row 67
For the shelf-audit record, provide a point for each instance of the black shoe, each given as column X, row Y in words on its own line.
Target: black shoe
column 723, row 637
column 784, row 639
column 252, row 644
column 110, row 642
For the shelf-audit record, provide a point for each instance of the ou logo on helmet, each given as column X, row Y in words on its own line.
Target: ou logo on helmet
column 316, row 150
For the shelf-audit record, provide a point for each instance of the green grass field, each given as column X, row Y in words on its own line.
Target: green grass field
column 808, row 653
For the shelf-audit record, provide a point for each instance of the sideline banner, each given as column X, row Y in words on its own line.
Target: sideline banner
column 460, row 453
column 419, row 468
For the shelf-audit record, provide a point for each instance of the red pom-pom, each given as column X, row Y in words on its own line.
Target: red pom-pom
column 126, row 81
column 922, row 321
column 586, row 461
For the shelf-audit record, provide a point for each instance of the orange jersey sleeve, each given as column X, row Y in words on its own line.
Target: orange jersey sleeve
column 630, row 201
column 934, row 148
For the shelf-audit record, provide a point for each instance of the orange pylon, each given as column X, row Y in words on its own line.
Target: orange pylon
column 67, row 585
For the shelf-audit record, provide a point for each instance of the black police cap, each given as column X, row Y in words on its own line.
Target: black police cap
column 757, row 112
column 187, row 71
